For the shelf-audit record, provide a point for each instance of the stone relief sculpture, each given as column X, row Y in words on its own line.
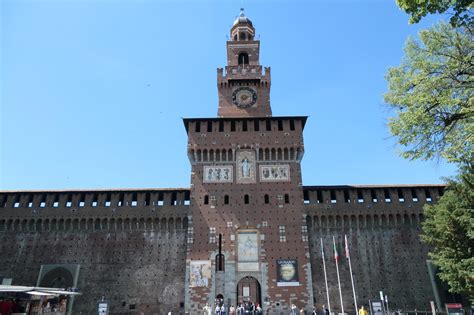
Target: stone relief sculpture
column 217, row 174
column 274, row 173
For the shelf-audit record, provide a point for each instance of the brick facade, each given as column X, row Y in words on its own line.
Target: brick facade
column 237, row 232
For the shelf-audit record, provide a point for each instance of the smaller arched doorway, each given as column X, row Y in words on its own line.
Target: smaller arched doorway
column 248, row 290
column 219, row 299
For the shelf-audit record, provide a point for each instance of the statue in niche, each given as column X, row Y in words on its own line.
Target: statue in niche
column 245, row 168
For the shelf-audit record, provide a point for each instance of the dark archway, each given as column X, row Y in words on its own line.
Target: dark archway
column 248, row 289
column 57, row 278
column 243, row 59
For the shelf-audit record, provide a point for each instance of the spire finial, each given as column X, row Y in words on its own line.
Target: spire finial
column 242, row 12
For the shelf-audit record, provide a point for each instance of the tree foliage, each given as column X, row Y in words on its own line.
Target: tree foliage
column 449, row 229
column 432, row 92
column 460, row 9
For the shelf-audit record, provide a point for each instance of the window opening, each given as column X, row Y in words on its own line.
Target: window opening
column 267, row 199
column 400, row 196
column 280, row 125
column 243, row 59
column 360, row 197
column 333, row 196
column 256, row 125
column 209, row 126
column 206, row 199
column 269, row 125
column 347, row 197
column 319, row 195
column 197, row 126
column 373, row 195
column 292, row 124
column 246, row 199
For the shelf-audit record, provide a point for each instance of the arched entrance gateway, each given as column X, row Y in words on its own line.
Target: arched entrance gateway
column 248, row 289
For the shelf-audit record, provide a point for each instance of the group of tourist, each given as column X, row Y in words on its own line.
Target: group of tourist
column 243, row 308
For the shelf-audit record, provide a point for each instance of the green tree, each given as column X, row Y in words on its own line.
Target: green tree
column 449, row 229
column 460, row 9
column 432, row 93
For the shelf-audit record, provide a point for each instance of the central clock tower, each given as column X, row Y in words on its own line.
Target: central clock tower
column 244, row 87
column 247, row 233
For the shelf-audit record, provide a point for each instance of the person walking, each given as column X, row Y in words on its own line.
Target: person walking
column 363, row 311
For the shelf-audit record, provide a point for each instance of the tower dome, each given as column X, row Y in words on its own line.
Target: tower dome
column 242, row 29
column 242, row 19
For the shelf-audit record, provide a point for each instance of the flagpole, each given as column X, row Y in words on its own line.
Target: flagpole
column 337, row 269
column 350, row 270
column 325, row 275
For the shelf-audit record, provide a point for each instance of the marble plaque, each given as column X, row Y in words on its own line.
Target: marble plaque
column 247, row 246
column 217, row 174
column 200, row 273
column 275, row 173
column 246, row 167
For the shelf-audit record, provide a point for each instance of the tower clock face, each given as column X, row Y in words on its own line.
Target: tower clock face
column 244, row 97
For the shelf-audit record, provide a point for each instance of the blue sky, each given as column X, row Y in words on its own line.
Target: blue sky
column 92, row 92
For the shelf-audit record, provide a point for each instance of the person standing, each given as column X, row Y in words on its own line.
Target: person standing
column 363, row 311
column 324, row 310
column 207, row 309
column 232, row 310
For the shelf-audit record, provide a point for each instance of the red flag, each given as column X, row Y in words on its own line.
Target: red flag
column 347, row 246
column 336, row 256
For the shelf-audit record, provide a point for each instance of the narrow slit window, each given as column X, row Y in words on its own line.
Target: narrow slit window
column 206, row 199
column 256, row 125
column 226, row 199
column 246, row 199
column 266, row 199
column 232, row 126
column 197, row 126
column 292, row 125
column 221, row 126
column 244, row 125
column 209, row 126
column 287, row 198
